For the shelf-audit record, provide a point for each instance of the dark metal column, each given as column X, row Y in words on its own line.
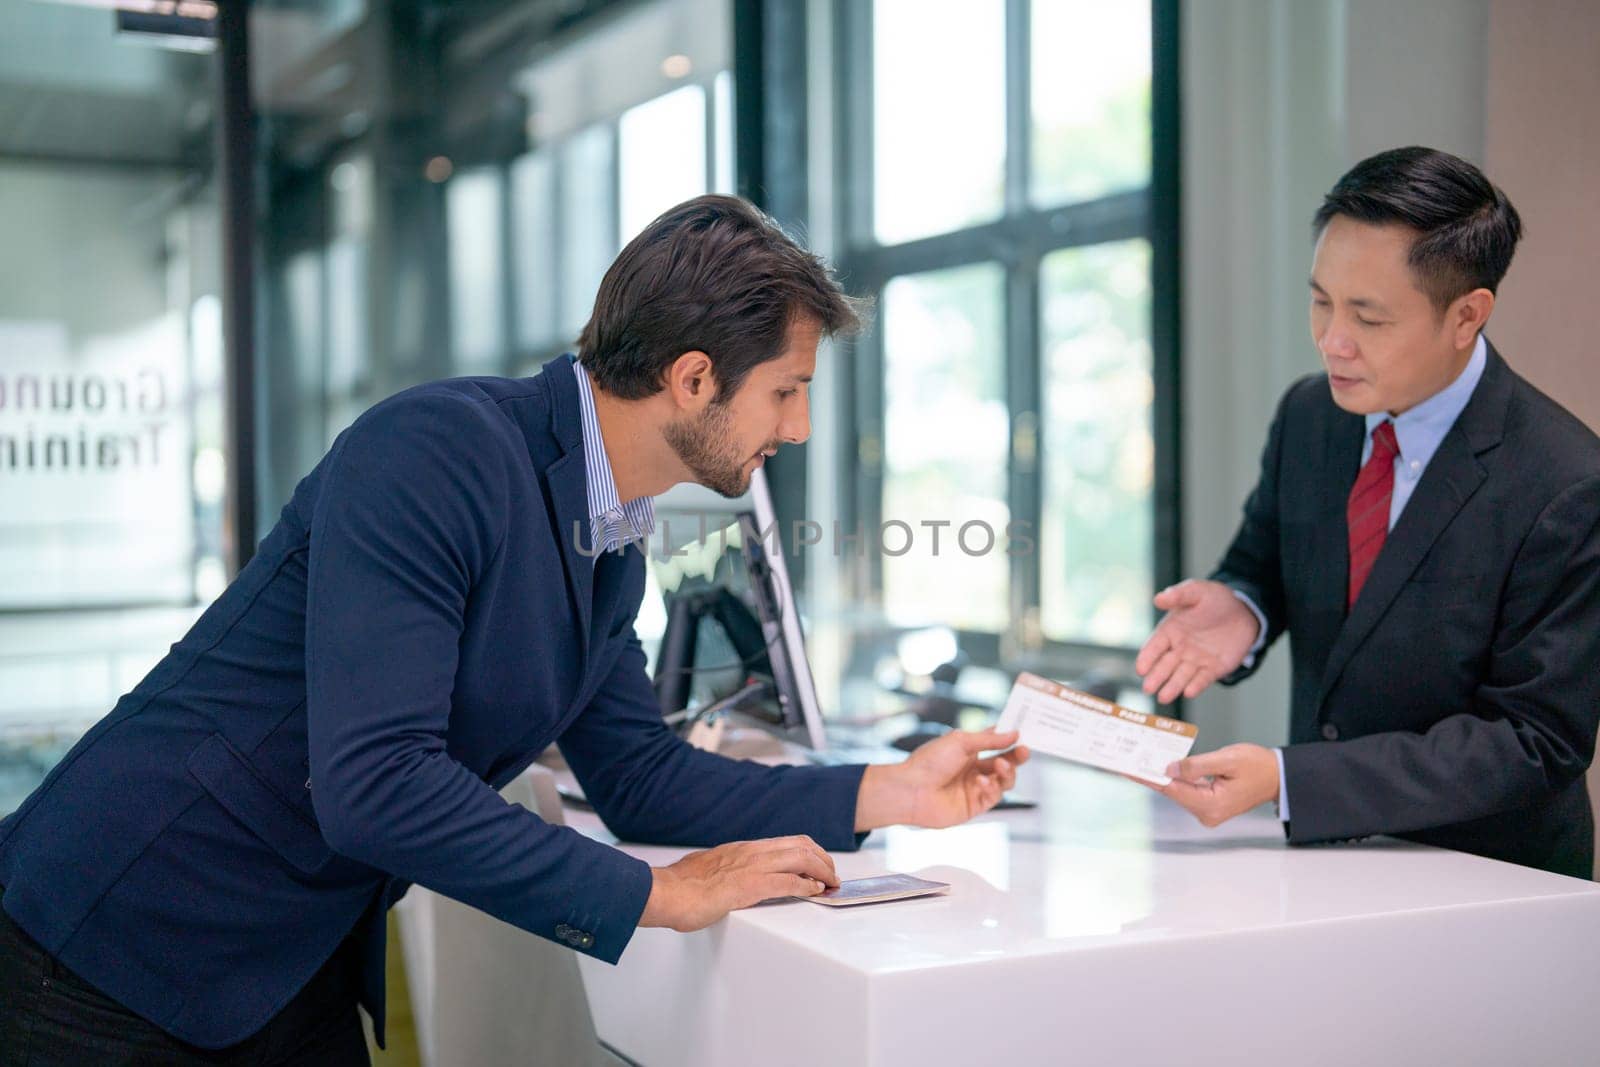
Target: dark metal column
column 236, row 174
column 1166, row 292
column 1166, row 327
column 770, row 164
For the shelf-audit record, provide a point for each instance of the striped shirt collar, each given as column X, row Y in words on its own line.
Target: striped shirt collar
column 611, row 522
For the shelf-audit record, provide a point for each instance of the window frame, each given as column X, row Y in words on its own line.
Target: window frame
column 1018, row 241
column 522, row 358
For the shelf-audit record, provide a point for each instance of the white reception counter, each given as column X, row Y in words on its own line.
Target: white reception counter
column 1107, row 926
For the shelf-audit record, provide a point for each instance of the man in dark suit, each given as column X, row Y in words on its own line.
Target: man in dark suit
column 209, row 868
column 1426, row 529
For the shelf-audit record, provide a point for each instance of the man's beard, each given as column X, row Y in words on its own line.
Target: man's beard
column 706, row 446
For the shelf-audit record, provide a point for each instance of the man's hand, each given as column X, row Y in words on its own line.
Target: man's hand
column 1204, row 636
column 944, row 782
column 704, row 886
column 1218, row 785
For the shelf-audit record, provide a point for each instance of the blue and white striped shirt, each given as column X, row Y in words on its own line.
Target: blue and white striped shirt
column 611, row 522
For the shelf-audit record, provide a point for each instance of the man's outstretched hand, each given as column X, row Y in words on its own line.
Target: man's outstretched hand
column 1216, row 786
column 944, row 782
column 1205, row 635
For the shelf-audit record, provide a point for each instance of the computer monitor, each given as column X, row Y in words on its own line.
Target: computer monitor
column 730, row 610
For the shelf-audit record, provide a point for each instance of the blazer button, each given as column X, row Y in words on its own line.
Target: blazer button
column 586, row 941
column 1330, row 732
column 563, row 931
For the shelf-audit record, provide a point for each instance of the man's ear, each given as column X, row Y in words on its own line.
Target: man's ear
column 1468, row 315
column 691, row 381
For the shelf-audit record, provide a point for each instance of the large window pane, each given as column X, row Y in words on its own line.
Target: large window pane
column 939, row 116
column 1095, row 538
column 347, row 379
column 111, row 425
column 348, row 376
column 533, row 231
column 661, row 156
column 477, row 308
column 945, row 436
column 307, row 312
column 1090, row 99
column 588, row 222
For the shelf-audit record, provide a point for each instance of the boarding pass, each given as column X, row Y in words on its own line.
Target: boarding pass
column 1076, row 726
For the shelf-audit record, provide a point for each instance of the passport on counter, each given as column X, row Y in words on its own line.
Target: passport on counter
column 877, row 890
column 1077, row 726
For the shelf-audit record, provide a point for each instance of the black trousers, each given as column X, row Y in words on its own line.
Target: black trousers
column 49, row 1017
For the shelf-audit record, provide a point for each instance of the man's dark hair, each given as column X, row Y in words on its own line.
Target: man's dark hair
column 713, row 275
column 1467, row 229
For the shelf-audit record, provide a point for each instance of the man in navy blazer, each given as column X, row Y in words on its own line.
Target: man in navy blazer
column 1426, row 531
column 211, row 865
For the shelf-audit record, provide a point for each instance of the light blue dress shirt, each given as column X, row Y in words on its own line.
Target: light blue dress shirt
column 611, row 522
column 1419, row 431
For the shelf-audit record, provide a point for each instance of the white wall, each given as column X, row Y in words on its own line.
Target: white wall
column 1543, row 147
column 1280, row 97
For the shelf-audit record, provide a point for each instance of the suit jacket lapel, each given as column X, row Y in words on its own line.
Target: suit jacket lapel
column 569, row 500
column 1331, row 572
column 567, row 495
column 1453, row 475
column 611, row 581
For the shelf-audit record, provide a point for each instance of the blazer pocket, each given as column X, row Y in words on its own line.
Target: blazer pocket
column 234, row 784
column 1443, row 574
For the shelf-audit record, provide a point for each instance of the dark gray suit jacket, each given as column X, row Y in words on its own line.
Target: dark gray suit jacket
column 1458, row 703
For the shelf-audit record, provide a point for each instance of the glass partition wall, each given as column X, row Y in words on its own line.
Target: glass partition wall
column 437, row 188
column 112, row 467
column 447, row 183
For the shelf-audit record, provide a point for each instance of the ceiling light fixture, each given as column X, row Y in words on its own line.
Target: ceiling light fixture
column 186, row 9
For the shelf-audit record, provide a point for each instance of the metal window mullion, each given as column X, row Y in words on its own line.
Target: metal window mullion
column 1035, row 233
column 236, row 166
column 508, row 282
column 870, row 449
column 1166, row 331
column 862, row 409
column 1019, row 80
column 614, row 176
column 783, row 121
column 1025, row 449
column 749, row 106
column 558, row 239
column 856, row 116
column 708, row 89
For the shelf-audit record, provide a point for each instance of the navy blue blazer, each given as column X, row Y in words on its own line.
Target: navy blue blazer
column 418, row 626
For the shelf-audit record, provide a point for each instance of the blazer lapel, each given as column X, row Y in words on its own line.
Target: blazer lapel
column 566, row 487
column 1331, row 571
column 611, row 580
column 569, row 501
column 1453, row 475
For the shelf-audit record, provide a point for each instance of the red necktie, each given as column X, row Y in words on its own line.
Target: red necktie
column 1367, row 512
